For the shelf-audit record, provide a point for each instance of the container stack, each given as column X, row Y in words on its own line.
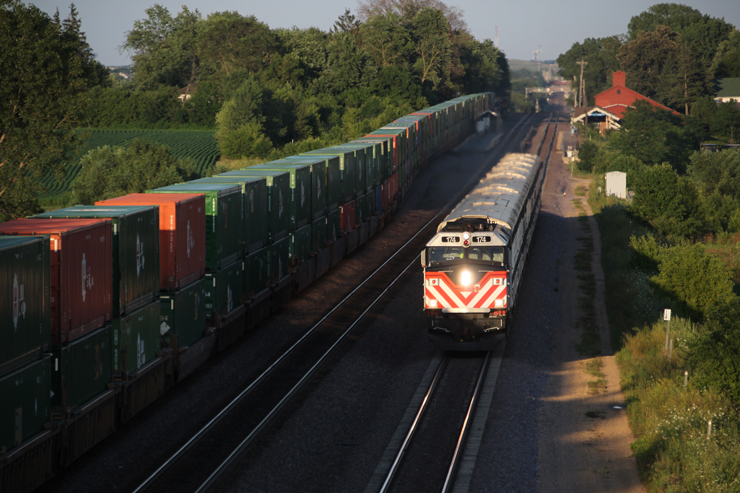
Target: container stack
column 80, row 277
column 135, row 338
column 25, row 366
column 180, row 227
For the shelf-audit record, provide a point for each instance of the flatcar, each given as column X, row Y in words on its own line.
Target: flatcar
column 473, row 266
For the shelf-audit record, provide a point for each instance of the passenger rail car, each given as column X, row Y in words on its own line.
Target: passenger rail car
column 473, row 266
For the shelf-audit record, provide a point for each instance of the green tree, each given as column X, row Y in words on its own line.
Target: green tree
column 715, row 357
column 684, row 81
column 385, row 39
column 645, row 57
column 726, row 61
column 109, row 172
column 43, row 79
column 716, row 172
column 666, row 201
column 165, row 49
column 693, row 278
column 653, row 135
column 241, row 123
column 726, row 122
column 230, row 42
column 430, row 46
column 587, row 156
column 601, row 56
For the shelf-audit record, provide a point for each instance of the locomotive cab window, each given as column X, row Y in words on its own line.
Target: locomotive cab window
column 487, row 255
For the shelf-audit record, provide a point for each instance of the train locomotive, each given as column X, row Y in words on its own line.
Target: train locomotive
column 474, row 265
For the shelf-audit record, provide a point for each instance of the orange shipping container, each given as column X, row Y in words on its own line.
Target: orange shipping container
column 81, row 272
column 182, row 234
column 347, row 216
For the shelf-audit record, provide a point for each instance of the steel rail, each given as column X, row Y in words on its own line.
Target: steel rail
column 412, row 430
column 466, row 425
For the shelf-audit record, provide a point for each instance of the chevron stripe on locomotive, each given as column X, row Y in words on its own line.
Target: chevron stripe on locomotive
column 473, row 266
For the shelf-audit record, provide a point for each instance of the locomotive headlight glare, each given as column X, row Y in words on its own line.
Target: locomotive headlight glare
column 466, row 236
column 465, row 278
column 498, row 303
column 433, row 303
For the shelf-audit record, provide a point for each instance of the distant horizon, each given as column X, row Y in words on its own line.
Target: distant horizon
column 523, row 27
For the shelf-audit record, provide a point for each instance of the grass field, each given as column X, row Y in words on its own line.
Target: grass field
column 199, row 145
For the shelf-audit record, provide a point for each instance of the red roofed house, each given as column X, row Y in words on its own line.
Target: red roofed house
column 612, row 104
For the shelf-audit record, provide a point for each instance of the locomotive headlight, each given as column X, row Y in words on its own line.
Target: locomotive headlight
column 433, row 303
column 498, row 303
column 465, row 278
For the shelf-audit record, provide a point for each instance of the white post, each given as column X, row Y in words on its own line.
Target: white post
column 685, row 379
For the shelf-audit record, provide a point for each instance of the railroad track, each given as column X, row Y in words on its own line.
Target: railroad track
column 205, row 459
column 425, row 436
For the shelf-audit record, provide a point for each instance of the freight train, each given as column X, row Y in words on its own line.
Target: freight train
column 474, row 265
column 107, row 306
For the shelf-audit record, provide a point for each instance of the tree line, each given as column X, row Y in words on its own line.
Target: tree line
column 671, row 53
column 264, row 89
column 267, row 92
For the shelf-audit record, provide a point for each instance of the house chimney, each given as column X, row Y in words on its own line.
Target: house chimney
column 618, row 79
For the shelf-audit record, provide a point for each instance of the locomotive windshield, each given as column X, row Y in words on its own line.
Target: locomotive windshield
column 444, row 255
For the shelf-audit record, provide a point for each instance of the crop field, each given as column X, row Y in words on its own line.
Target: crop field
column 199, row 145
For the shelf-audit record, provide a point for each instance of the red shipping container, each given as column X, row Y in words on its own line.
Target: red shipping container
column 347, row 216
column 394, row 185
column 182, row 234
column 81, row 272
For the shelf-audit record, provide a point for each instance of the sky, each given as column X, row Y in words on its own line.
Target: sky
column 524, row 26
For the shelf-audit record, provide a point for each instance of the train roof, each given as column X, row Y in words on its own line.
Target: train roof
column 500, row 195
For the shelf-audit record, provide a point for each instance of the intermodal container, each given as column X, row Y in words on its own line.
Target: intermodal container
column 379, row 206
column 224, row 290
column 256, row 276
column 358, row 151
column 81, row 268
column 318, row 181
column 135, row 250
column 278, row 195
column 334, row 225
column 183, row 314
column 81, row 370
column 347, row 170
column 381, row 146
column 279, row 260
column 224, row 243
column 333, row 182
column 301, row 246
column 25, row 331
column 372, row 161
column 24, row 407
column 318, row 234
column 182, row 233
column 362, row 210
column 136, row 338
column 254, row 207
column 347, row 211
column 301, row 190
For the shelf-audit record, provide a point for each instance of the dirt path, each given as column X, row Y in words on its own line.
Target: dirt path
column 584, row 438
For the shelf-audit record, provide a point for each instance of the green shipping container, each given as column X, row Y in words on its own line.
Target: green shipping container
column 224, row 242
column 347, row 170
column 375, row 158
column 301, row 190
column 318, row 234
column 135, row 250
column 332, row 189
column 25, row 331
column 254, row 208
column 256, row 276
column 25, row 403
column 279, row 260
column 225, row 289
column 301, row 246
column 278, row 195
column 82, row 369
column 136, row 338
column 369, row 161
column 184, row 314
column 318, row 187
column 383, row 146
column 333, row 225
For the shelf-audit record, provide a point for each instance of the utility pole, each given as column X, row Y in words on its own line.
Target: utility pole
column 582, row 87
column 495, row 42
